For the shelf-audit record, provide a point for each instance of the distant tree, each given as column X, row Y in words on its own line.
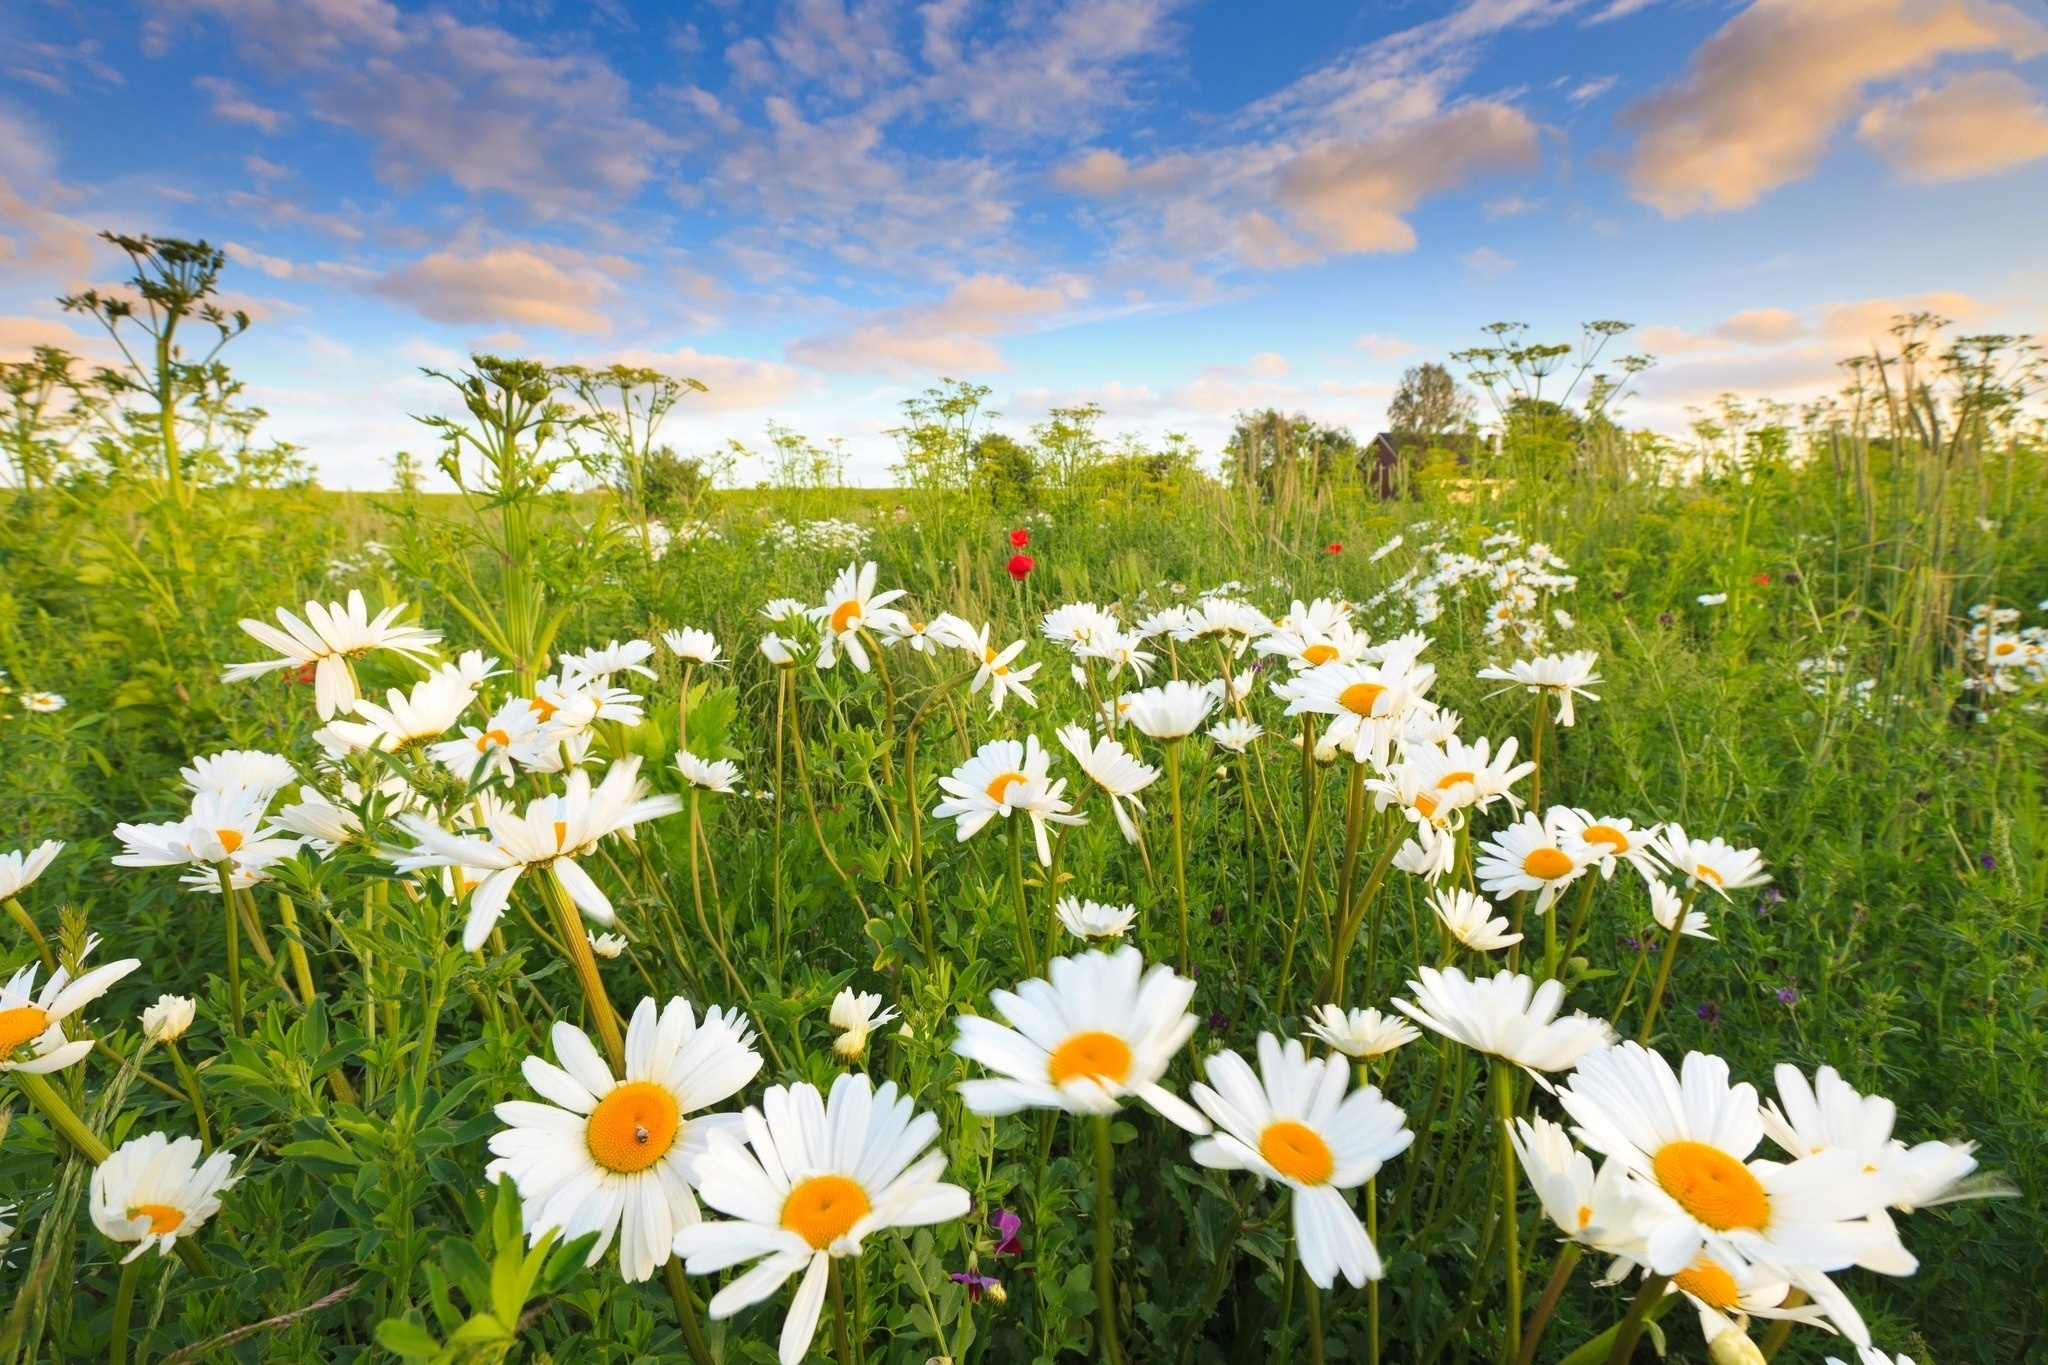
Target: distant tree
column 1005, row 470
column 625, row 406
column 1282, row 455
column 1428, row 406
column 935, row 444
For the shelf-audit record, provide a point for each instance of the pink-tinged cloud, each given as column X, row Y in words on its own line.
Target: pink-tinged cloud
column 731, row 383
column 531, row 286
column 1762, row 96
column 946, row 337
column 1974, row 125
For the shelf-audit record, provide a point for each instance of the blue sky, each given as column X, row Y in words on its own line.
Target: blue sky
column 1174, row 210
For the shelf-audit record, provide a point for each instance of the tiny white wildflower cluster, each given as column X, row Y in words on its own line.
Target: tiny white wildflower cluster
column 1525, row 581
column 826, row 535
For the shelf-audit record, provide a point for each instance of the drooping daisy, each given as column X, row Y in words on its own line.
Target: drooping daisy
column 547, row 837
column 1526, row 856
column 856, row 1014
column 1294, row 1123
column 1236, row 734
column 598, row 664
column 1607, row 839
column 1563, row 676
column 1430, row 854
column 1507, row 1016
column 1471, row 920
column 326, row 640
column 167, row 1020
column 823, row 1173
column 1666, row 906
column 19, row 869
column 1173, row 710
column 1594, row 1209
column 1711, row 862
column 154, row 1189
column 720, row 775
column 782, row 652
column 1006, row 778
column 32, row 1023
column 1091, row 920
column 1083, row 1041
column 1687, row 1145
column 236, row 768
column 848, row 607
column 1829, row 1113
column 693, row 646
column 614, row 1155
column 1361, row 1034
column 1114, row 769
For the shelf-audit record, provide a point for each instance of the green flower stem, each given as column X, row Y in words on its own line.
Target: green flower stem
column 1105, row 1244
column 1016, row 820
column 1537, row 726
column 1310, row 781
column 1671, row 937
column 296, row 947
column 1314, row 1300
column 1553, row 1290
column 1372, row 1287
column 234, row 933
column 124, row 1307
column 583, row 962
column 1331, row 987
column 686, row 1311
column 1554, row 960
column 842, row 1351
column 1180, row 856
column 1511, row 1218
column 190, row 1080
column 782, row 681
column 1774, row 1339
column 28, row 924
column 1630, row 1330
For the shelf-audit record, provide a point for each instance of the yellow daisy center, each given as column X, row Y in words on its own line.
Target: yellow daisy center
column 843, row 614
column 1711, row 1284
column 633, row 1127
column 1359, row 697
column 1708, row 874
column 1450, row 780
column 230, row 839
column 19, row 1025
column 1605, row 834
column 824, row 1208
column 493, row 738
column 544, row 709
column 1297, row 1151
column 1546, row 864
column 1585, row 1216
column 1319, row 654
column 162, row 1217
column 1425, row 805
column 2004, row 647
column 561, row 833
column 1712, row 1186
column 1091, row 1056
column 1000, row 788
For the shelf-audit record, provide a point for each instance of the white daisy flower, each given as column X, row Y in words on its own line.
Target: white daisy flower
column 786, row 610
column 1604, row 840
column 1527, row 856
column 152, row 1190
column 1369, row 703
column 1506, row 1016
column 600, row 663
column 1665, row 906
column 408, row 718
column 573, row 704
column 1871, row 1355
column 607, row 946
column 1711, row 599
column 43, row 703
column 1563, row 676
column 235, row 768
column 1361, row 1034
column 615, row 1155
column 167, row 1020
column 1830, row 1114
column 1006, row 778
column 856, row 1014
column 1594, row 1209
column 1077, row 624
column 822, row 1175
column 780, row 651
column 223, row 827
column 1236, row 734
column 19, row 869
column 693, row 646
column 1471, row 921
column 1429, row 855
column 1114, row 769
column 1120, row 651
column 1091, row 919
column 326, row 640
column 1294, row 1123
column 1000, row 675
column 1173, row 710
column 1709, row 862
column 32, row 1023
column 1083, row 1041
column 720, row 775
column 850, row 605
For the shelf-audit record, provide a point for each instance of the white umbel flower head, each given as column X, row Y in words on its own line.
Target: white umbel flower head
column 693, row 646
column 1009, row 779
column 851, row 605
column 1173, row 710
column 1563, row 676
column 1507, row 1016
column 1091, row 920
column 1471, row 920
column 1113, row 768
column 720, row 775
column 154, row 1189
column 1101, row 1030
column 32, row 1023
column 1361, row 1034
column 1713, row 863
column 614, row 1155
column 1527, row 856
column 823, row 1174
column 1294, row 1122
column 167, row 1020
column 20, row 868
column 856, row 1014
column 326, row 640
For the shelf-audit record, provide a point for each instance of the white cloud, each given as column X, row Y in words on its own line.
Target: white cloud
column 536, row 286
column 1486, row 263
column 731, row 383
column 950, row 336
column 1974, row 125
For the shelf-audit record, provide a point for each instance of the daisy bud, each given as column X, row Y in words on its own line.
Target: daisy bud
column 606, row 945
column 167, row 1020
column 856, row 1014
column 1733, row 1347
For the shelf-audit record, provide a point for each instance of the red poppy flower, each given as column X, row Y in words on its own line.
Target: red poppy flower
column 1020, row 537
column 1763, row 579
column 1335, row 547
column 1020, row 566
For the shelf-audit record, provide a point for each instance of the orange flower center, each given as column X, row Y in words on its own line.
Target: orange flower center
column 1297, row 1151
column 1093, row 1056
column 2004, row 647
column 633, row 1127
column 1319, row 654
column 1585, row 1216
column 230, row 839
column 1546, row 864
column 1359, row 697
column 1605, row 834
column 543, row 708
column 843, row 614
column 561, row 833
column 1000, row 788
column 824, row 1208
column 1711, row 1185
column 1711, row 1284
column 491, row 738
column 162, row 1217
column 1708, row 874
column 1450, row 780
column 1425, row 805
column 19, row 1025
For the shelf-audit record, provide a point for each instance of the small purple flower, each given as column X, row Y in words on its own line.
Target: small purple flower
column 1788, row 995
column 1007, row 1226
column 977, row 1283
column 1665, row 618
column 1219, row 1020
column 1986, row 861
column 1634, row 943
column 1709, row 1011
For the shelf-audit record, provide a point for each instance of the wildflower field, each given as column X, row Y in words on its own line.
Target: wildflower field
column 1578, row 903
